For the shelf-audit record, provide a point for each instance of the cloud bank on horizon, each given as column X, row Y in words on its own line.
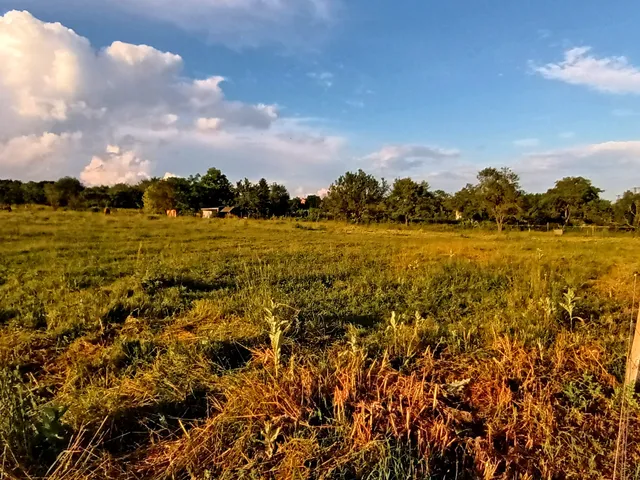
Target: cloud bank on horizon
column 127, row 112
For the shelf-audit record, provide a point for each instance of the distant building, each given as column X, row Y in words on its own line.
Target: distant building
column 211, row 212
column 172, row 213
column 230, row 212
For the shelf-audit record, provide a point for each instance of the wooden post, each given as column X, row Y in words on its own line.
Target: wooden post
column 633, row 362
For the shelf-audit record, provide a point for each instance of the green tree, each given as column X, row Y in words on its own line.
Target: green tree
column 409, row 200
column 499, row 194
column 278, row 200
column 627, row 209
column 33, row 192
column 11, row 192
column 96, row 196
column 534, row 209
column 247, row 198
column 159, row 197
column 356, row 197
column 64, row 192
column 262, row 195
column 313, row 201
column 441, row 206
column 466, row 203
column 122, row 195
column 570, row 196
column 214, row 189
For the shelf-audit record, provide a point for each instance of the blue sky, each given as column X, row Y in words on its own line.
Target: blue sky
column 430, row 89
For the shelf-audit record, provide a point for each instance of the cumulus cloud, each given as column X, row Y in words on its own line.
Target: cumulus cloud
column 116, row 166
column 62, row 103
column 605, row 74
column 33, row 156
column 611, row 165
column 406, row 157
column 209, row 123
column 526, row 142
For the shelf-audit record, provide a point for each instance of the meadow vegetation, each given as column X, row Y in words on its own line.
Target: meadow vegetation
column 139, row 346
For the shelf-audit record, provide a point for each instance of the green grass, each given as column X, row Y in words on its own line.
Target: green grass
column 145, row 347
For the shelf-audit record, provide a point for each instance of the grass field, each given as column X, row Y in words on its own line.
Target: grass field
column 142, row 347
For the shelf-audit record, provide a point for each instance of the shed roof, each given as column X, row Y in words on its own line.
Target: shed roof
column 228, row 209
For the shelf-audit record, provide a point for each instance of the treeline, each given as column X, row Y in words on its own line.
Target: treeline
column 355, row 196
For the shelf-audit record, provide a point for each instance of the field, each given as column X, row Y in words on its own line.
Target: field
column 142, row 347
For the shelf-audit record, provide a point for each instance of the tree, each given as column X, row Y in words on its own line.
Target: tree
column 278, row 200
column 499, row 194
column 246, row 197
column 95, row 196
column 441, row 210
column 65, row 192
column 214, row 189
column 410, row 200
column 159, row 197
column 356, row 196
column 466, row 202
column 33, row 192
column 627, row 209
column 122, row 195
column 313, row 201
column 534, row 209
column 11, row 192
column 262, row 192
column 569, row 197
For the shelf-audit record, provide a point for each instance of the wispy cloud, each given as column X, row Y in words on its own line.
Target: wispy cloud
column 566, row 135
column 611, row 165
column 526, row 142
column 355, row 103
column 605, row 74
column 324, row 79
column 406, row 157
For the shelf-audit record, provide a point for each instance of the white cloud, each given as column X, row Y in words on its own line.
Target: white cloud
column 611, row 165
column 209, row 123
column 137, row 99
column 355, row 103
column 566, row 135
column 116, row 166
column 324, row 79
column 605, row 74
column 293, row 24
column 526, row 142
column 405, row 157
column 34, row 155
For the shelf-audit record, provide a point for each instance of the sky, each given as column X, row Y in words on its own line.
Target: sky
column 300, row 91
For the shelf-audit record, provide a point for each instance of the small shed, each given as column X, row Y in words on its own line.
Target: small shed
column 230, row 212
column 172, row 213
column 210, row 212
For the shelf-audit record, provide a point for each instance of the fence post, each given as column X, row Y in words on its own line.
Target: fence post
column 633, row 362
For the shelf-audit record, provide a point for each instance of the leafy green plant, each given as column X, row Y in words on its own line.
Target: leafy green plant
column 569, row 306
